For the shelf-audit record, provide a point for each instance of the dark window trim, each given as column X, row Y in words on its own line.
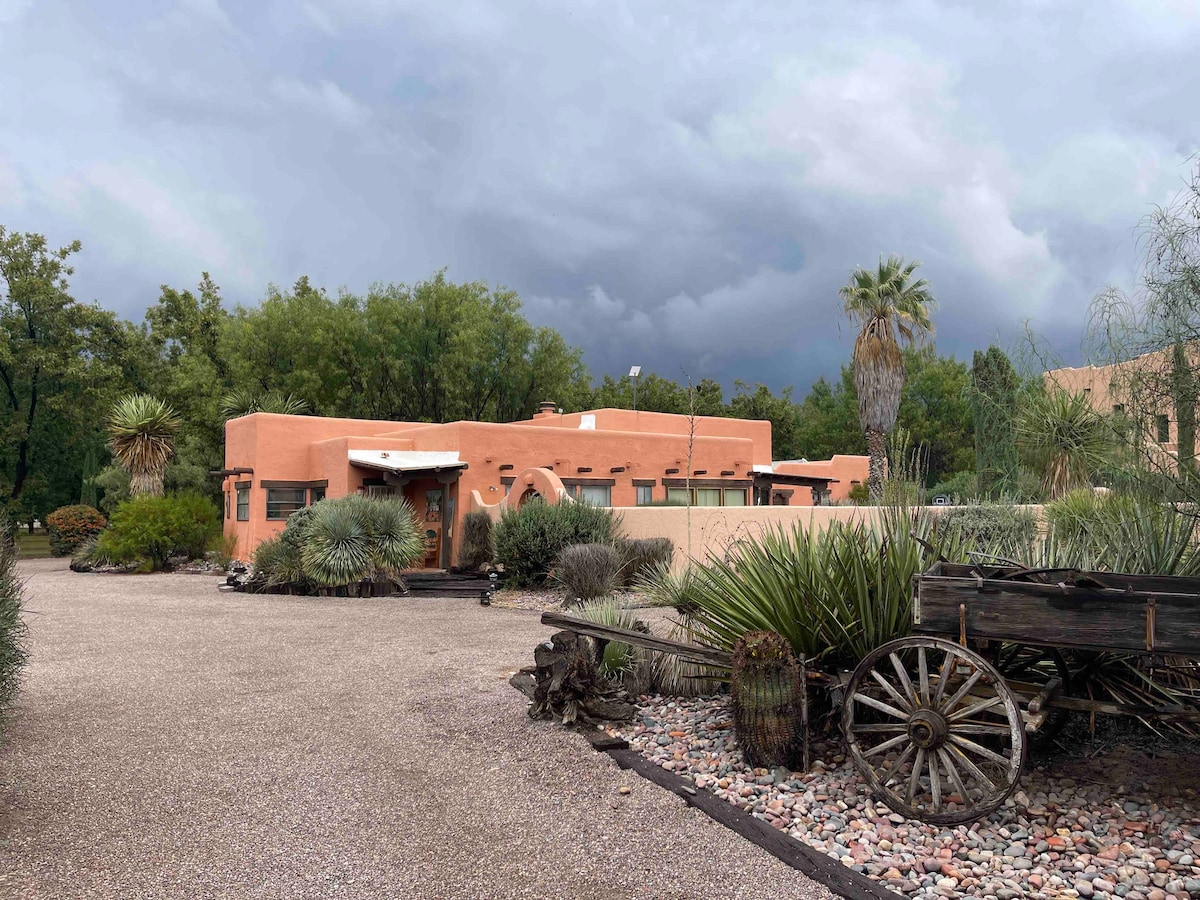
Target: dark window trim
column 645, row 482
column 508, row 479
column 597, row 482
column 323, row 483
column 243, row 485
column 708, row 483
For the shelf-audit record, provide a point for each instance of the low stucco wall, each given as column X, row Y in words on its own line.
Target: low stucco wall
column 715, row 528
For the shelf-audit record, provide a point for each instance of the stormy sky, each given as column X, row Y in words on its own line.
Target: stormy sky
column 682, row 185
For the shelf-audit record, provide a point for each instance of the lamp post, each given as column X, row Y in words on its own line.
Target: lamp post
column 634, row 373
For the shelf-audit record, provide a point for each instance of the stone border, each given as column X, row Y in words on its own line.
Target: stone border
column 843, row 881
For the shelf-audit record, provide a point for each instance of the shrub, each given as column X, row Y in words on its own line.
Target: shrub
column 475, row 548
column 13, row 652
column 528, row 540
column 339, row 542
column 643, row 555
column 154, row 529
column 70, row 526
column 88, row 556
column 622, row 662
column 959, row 487
column 1001, row 529
column 589, row 571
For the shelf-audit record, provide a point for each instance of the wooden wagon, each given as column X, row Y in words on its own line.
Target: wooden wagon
column 938, row 723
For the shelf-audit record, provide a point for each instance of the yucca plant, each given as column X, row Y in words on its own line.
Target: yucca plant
column 241, row 402
column 1064, row 438
column 396, row 540
column 622, row 662
column 889, row 305
column 337, row 547
column 141, row 434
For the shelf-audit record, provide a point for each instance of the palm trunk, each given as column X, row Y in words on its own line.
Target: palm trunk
column 877, row 448
column 146, row 483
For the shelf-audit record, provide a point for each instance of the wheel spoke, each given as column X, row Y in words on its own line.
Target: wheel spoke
column 915, row 778
column 923, row 668
column 973, row 770
column 965, row 728
column 902, row 701
column 902, row 674
column 880, row 728
column 879, row 705
column 979, row 750
column 943, row 680
column 962, row 691
column 979, row 707
column 948, row 765
column 935, row 783
column 899, row 764
column 886, row 745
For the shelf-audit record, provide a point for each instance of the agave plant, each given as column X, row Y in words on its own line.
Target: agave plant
column 141, row 434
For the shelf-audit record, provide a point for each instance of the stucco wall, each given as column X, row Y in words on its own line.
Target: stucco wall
column 713, row 529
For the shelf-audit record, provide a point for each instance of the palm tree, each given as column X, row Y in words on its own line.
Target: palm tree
column 885, row 302
column 141, row 434
column 242, row 402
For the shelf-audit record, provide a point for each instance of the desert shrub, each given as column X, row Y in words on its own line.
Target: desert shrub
column 475, row 548
column 643, row 555
column 622, row 662
column 69, row 526
column 589, row 571
column 859, row 494
column 959, row 487
column 13, row 651
column 89, row 555
column 339, row 542
column 1001, row 529
column 529, row 540
column 154, row 529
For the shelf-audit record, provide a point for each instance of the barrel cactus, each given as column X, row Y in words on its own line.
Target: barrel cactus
column 768, row 700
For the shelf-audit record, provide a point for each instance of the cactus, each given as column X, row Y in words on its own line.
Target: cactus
column 768, row 701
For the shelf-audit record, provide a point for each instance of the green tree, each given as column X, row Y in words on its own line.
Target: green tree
column 828, row 419
column 890, row 306
column 994, row 386
column 58, row 363
column 781, row 411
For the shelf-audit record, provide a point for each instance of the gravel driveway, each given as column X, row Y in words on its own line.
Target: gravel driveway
column 173, row 741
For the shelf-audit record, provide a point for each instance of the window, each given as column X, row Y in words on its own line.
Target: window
column 595, row 494
column 282, row 502
column 1164, row 429
column 707, row 496
column 243, row 504
column 645, row 494
column 316, row 495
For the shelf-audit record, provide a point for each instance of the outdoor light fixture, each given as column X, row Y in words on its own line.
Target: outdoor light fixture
column 634, row 373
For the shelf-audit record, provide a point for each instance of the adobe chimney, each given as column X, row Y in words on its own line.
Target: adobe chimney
column 546, row 408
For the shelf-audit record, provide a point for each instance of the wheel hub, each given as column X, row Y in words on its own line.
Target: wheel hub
column 927, row 729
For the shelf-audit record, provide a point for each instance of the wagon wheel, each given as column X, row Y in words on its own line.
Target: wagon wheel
column 1035, row 666
column 933, row 730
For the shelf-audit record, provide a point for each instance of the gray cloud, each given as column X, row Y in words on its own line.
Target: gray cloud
column 683, row 185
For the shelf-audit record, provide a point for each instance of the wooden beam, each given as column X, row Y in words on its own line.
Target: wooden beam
column 696, row 653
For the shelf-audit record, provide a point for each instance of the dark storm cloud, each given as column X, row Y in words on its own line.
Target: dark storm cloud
column 680, row 185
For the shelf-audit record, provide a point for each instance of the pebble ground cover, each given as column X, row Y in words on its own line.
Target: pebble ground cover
column 1057, row 836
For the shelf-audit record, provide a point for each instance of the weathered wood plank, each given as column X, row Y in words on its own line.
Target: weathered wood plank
column 1050, row 615
column 706, row 656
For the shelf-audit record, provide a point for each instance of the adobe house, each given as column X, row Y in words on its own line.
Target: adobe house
column 276, row 464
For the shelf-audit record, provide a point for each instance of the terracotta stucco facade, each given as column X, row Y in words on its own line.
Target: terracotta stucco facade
column 614, row 457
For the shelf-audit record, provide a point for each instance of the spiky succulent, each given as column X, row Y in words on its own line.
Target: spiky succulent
column 141, row 434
